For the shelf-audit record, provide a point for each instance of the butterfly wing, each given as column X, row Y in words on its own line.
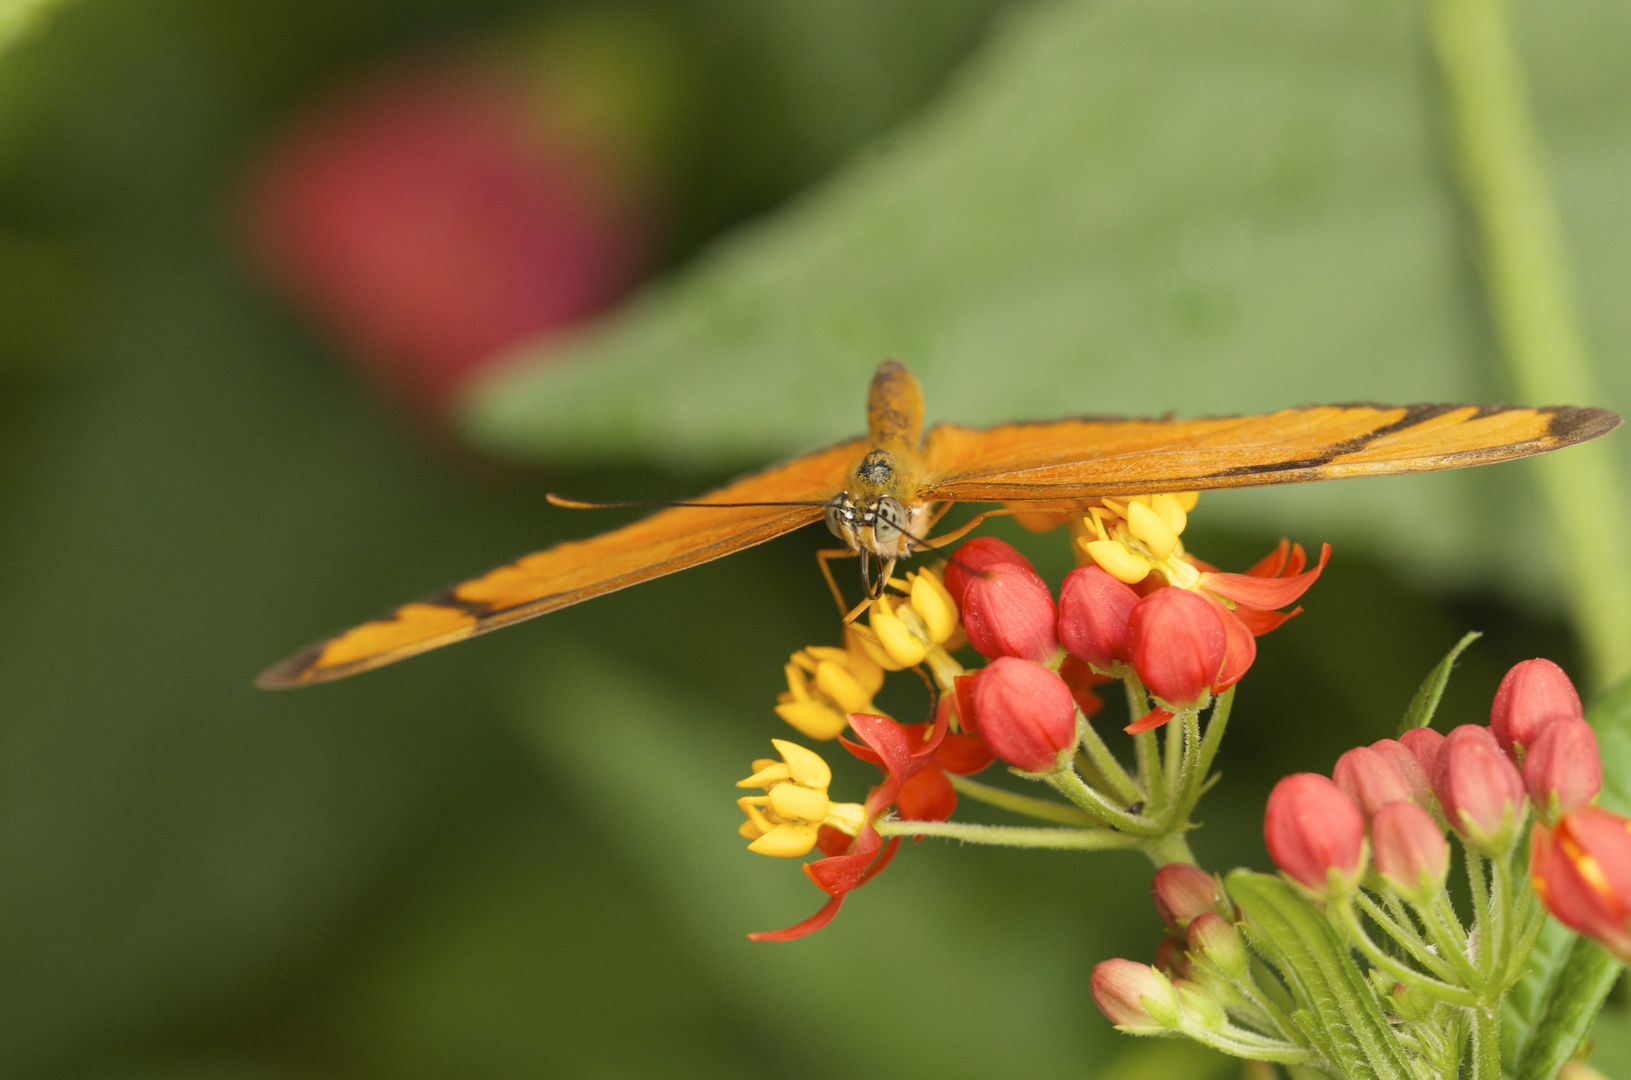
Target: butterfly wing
column 1075, row 459
column 667, row 541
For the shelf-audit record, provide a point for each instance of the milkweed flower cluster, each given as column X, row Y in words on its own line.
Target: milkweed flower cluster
column 1353, row 960
column 1139, row 609
column 1254, row 965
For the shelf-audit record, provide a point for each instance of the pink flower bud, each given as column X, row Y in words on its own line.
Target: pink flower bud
column 1410, row 850
column 1215, row 940
column 1479, row 788
column 1581, row 870
column 1183, row 891
column 1178, row 644
column 1370, row 779
column 1563, row 765
column 1007, row 609
column 1093, row 612
column 1311, row 828
column 1137, row 998
column 1533, row 694
column 1426, row 745
column 1026, row 713
column 1410, row 767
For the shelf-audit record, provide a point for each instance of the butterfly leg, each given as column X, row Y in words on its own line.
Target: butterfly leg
column 822, row 559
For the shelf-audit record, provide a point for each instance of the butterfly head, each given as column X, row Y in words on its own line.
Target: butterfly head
column 877, row 527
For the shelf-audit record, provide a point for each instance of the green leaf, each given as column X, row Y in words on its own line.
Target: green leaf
column 1549, row 1012
column 1425, row 703
column 1610, row 716
column 1346, row 1019
column 1126, row 208
column 1577, row 993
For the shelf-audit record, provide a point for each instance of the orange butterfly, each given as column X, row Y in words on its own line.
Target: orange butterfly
column 879, row 494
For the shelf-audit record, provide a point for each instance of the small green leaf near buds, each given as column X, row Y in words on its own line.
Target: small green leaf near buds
column 1199, row 1007
column 1218, row 943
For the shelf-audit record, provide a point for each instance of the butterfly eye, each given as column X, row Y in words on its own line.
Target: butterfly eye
column 890, row 521
column 837, row 511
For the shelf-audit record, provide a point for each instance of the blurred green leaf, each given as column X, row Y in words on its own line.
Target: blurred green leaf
column 1425, row 703
column 963, row 927
column 18, row 16
column 1125, row 208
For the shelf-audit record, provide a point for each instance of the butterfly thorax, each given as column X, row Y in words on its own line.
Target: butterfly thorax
column 878, row 514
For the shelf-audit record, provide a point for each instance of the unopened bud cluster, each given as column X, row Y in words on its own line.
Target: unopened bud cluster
column 1369, row 849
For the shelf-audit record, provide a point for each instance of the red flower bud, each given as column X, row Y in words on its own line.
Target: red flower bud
column 1533, row 694
column 1425, row 745
column 1093, row 612
column 1410, row 850
column 1182, row 891
column 1581, row 870
column 1478, row 787
column 1170, row 958
column 1136, row 997
column 1007, row 608
column 1026, row 713
column 1370, row 778
column 1563, row 764
column 1311, row 827
column 1410, row 767
column 1215, row 940
column 975, row 558
column 1178, row 643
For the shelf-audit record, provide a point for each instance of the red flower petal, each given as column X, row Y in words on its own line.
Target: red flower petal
column 1239, row 648
column 1261, row 592
column 964, row 755
column 1148, row 722
column 1273, row 564
column 928, row 796
column 808, row 926
column 1260, row 621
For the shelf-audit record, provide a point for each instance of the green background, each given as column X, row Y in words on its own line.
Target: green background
column 518, row 857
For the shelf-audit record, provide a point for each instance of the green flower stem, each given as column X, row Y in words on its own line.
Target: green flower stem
column 1447, row 934
column 1406, row 936
column 1486, row 1042
column 1532, row 301
column 1171, row 848
column 1011, row 836
column 1480, row 906
column 1501, row 904
column 1105, row 762
column 1028, row 805
column 1068, row 784
column 1401, row 918
column 1173, row 755
column 1191, row 778
column 1216, row 724
column 1531, row 917
column 1145, row 748
column 1238, row 1042
column 1349, row 925
column 1253, row 994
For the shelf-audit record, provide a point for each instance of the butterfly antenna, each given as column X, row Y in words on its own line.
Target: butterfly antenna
column 580, row 504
